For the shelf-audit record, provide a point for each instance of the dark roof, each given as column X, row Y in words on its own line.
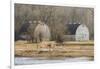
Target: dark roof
column 72, row 28
column 24, row 27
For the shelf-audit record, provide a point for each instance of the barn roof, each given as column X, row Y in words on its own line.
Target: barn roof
column 24, row 27
column 72, row 28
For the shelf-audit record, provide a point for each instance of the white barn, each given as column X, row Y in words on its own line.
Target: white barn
column 82, row 33
column 42, row 32
column 77, row 32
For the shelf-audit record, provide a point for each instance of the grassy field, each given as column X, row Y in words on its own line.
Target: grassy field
column 66, row 49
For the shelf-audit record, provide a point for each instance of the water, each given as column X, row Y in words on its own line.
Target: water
column 30, row 60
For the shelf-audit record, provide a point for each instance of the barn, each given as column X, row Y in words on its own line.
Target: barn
column 76, row 32
column 82, row 33
column 42, row 32
column 23, row 32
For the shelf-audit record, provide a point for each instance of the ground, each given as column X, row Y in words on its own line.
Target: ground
column 66, row 49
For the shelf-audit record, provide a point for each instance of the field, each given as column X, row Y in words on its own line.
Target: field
column 66, row 49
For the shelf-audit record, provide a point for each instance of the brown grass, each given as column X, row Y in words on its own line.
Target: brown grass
column 67, row 49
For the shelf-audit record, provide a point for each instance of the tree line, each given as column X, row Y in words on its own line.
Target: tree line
column 56, row 17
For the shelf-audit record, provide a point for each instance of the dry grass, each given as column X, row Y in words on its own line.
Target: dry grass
column 67, row 49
